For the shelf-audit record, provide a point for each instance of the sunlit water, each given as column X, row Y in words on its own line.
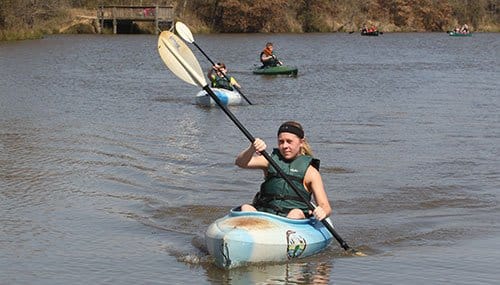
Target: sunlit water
column 109, row 174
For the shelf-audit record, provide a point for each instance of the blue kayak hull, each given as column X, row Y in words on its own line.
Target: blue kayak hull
column 226, row 97
column 240, row 238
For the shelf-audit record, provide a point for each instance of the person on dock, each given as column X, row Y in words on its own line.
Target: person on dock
column 219, row 79
column 267, row 56
column 294, row 157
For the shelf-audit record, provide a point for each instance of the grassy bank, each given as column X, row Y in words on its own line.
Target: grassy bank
column 63, row 21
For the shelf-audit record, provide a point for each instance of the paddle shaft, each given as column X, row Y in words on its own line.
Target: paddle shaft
column 213, row 63
column 249, row 136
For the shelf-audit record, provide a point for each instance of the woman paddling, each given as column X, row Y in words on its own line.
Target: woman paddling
column 294, row 156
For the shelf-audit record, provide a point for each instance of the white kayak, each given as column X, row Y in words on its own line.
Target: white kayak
column 227, row 97
column 248, row 237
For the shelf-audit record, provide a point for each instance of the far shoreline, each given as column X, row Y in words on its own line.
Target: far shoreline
column 85, row 22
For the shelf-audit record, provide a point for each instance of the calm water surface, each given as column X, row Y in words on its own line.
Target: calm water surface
column 109, row 174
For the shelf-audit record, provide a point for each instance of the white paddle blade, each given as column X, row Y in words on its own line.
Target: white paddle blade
column 180, row 59
column 184, row 32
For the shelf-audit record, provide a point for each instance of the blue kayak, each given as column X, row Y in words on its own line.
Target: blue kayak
column 240, row 238
column 227, row 97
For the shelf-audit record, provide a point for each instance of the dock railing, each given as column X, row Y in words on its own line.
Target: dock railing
column 129, row 13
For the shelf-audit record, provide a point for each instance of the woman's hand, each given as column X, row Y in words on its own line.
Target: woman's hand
column 259, row 145
column 319, row 213
column 248, row 159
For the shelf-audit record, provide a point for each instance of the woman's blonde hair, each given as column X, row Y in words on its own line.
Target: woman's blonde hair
column 306, row 148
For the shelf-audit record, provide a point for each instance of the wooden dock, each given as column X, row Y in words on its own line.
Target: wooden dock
column 162, row 16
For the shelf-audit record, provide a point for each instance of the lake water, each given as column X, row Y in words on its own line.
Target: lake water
column 110, row 174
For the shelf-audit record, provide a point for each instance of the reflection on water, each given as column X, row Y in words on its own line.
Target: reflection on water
column 289, row 273
column 107, row 167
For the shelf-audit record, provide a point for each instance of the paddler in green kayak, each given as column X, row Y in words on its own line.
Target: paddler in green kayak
column 268, row 58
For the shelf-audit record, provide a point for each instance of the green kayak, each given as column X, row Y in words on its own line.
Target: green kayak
column 374, row 33
column 274, row 70
column 455, row 34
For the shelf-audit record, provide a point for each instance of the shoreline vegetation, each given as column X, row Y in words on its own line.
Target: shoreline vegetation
column 27, row 19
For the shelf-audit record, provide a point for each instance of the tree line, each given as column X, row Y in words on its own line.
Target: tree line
column 44, row 16
column 344, row 15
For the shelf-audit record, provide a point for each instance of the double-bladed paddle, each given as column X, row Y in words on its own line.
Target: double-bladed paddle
column 185, row 33
column 181, row 61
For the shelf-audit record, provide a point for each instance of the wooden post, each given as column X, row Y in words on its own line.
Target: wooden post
column 115, row 23
column 156, row 20
column 101, row 19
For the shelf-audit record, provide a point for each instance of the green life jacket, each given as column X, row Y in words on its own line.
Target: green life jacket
column 221, row 82
column 275, row 195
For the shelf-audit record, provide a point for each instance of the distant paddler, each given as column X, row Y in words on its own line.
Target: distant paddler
column 268, row 58
column 219, row 79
